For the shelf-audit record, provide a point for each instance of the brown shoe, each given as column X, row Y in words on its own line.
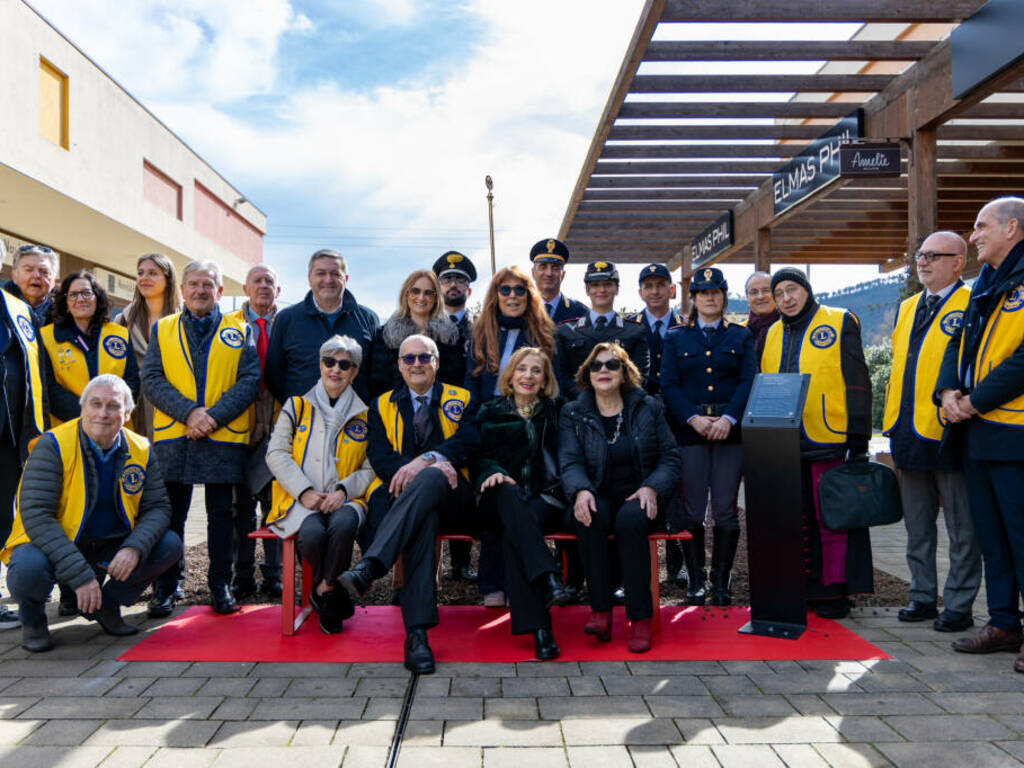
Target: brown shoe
column 989, row 640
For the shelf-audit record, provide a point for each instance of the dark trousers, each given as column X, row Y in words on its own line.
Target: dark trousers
column 246, row 522
column 630, row 525
column 426, row 507
column 325, row 542
column 524, row 521
column 31, row 575
column 995, row 490
column 712, row 469
column 220, row 532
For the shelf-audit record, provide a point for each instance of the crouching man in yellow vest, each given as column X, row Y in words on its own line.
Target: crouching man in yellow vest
column 201, row 373
column 421, row 437
column 91, row 505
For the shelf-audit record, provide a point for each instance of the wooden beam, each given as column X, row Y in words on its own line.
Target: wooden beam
column 625, row 182
column 822, row 10
column 952, row 170
column 653, row 205
column 759, row 83
column 763, row 250
column 644, row 168
column 715, row 132
column 981, row 132
column 1008, row 152
column 717, row 151
column 725, row 109
column 994, row 110
column 786, row 50
column 660, row 194
column 647, row 23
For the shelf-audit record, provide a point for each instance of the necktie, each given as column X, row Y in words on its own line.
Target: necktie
column 551, row 309
column 421, row 423
column 656, row 341
column 602, row 321
column 926, row 312
column 454, row 319
column 709, row 333
column 262, row 340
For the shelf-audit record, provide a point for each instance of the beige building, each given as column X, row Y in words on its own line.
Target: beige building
column 88, row 171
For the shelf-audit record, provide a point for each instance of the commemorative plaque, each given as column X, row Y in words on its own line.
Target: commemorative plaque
column 771, row 477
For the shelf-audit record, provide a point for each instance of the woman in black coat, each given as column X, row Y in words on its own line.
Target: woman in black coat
column 517, row 475
column 620, row 466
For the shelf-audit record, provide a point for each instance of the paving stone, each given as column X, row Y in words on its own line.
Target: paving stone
column 370, row 733
column 48, row 757
column 949, row 728
column 383, row 708
column 651, row 757
column 887, row 681
column 626, row 731
column 881, row 704
column 219, row 669
column 474, row 686
column 254, row 734
column 7, row 682
column 745, row 667
column 983, row 682
column 128, row 757
column 423, row 733
column 809, row 704
column 226, row 686
column 561, row 707
column 13, row 731
column 298, row 669
column 64, row 686
column 445, row 757
column 852, row 756
column 599, row 757
column 478, row 669
column 586, row 686
column 175, row 686
column 312, row 687
column 802, row 682
column 548, row 669
column 599, row 668
column 654, row 685
column 683, row 706
column 141, row 733
column 309, row 709
column 497, row 733
column 976, row 755
column 36, row 667
column 698, row 731
column 1015, row 722
column 729, row 684
column 799, row 756
column 675, row 668
column 275, row 757
column 765, row 705
column 268, row 687
column 154, row 668
column 835, row 667
column 105, row 668
column 235, row 709
column 365, row 757
column 432, row 685
column 1015, row 748
column 56, row 733
column 518, row 757
column 464, row 708
column 692, row 756
column 773, row 730
column 182, row 757
column 512, row 687
column 377, row 669
column 389, row 686
column 747, row 756
column 179, row 708
column 83, row 708
column 315, row 733
column 862, row 728
column 511, row 709
column 130, row 686
column 12, row 706
column 980, row 703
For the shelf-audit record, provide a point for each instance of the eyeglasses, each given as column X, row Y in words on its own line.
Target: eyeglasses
column 508, row 290
column 788, row 293
column 86, row 295
column 33, row 249
column 343, row 365
column 454, row 280
column 929, row 256
column 423, row 358
column 759, row 292
column 428, row 293
column 611, row 364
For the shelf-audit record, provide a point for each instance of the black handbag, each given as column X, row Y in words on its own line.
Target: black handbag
column 859, row 494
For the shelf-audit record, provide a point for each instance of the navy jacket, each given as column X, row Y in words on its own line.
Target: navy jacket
column 674, row 320
column 568, row 309
column 575, row 340
column 293, row 353
column 698, row 372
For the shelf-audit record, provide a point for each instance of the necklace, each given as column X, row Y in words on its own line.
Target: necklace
column 618, row 430
column 527, row 411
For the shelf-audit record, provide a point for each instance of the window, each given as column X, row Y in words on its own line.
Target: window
column 53, row 103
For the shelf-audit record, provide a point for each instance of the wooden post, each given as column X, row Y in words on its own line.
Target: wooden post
column 684, row 287
column 763, row 250
column 922, row 194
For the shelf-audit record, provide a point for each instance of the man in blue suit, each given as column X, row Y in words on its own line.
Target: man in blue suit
column 549, row 258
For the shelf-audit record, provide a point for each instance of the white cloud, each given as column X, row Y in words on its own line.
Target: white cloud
column 401, row 12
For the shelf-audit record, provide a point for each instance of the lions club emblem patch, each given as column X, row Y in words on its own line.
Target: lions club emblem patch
column 356, row 430
column 232, row 337
column 115, row 346
column 823, row 337
column 133, row 477
column 951, row 322
column 1014, row 301
column 27, row 329
column 452, row 409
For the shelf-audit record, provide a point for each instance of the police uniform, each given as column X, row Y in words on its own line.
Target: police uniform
column 708, row 371
column 560, row 308
column 576, row 338
column 656, row 337
column 458, row 264
column 924, row 326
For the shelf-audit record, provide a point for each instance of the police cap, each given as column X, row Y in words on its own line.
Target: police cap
column 550, row 251
column 455, row 263
column 600, row 271
column 655, row 270
column 708, row 279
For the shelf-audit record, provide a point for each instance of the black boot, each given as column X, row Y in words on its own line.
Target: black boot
column 723, row 552
column 418, row 656
column 693, row 555
column 674, row 564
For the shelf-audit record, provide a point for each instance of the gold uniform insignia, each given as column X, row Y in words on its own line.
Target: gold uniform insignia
column 651, row 268
column 707, row 274
column 454, row 258
column 551, row 246
column 599, row 265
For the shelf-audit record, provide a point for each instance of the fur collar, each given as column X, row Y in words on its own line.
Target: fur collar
column 398, row 329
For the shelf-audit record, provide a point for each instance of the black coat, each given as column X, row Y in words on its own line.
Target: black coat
column 514, row 446
column 583, row 451
column 382, row 365
column 576, row 338
column 655, row 346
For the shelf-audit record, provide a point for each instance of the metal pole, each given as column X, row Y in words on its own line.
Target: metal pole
column 490, row 218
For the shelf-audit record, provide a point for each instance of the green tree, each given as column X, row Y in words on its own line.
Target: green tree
column 879, row 360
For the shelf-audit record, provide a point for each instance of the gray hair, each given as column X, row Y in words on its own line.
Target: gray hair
column 327, row 253
column 116, row 383
column 267, row 267
column 426, row 341
column 345, row 344
column 31, row 249
column 203, row 266
column 757, row 273
column 1006, row 208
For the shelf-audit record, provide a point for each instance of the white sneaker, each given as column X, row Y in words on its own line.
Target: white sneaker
column 8, row 618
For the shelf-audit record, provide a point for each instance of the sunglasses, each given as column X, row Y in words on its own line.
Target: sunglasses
column 423, row 358
column 426, row 292
column 343, row 365
column 508, row 290
column 612, row 364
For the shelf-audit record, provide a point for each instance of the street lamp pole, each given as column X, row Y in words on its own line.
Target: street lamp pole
column 490, row 217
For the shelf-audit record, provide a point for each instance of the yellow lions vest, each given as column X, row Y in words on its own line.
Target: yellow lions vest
column 222, row 358
column 74, row 496
column 349, row 453
column 68, row 361
column 1004, row 333
column 825, row 417
column 454, row 401
column 25, row 332
column 928, row 422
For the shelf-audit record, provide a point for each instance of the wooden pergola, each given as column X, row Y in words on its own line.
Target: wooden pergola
column 655, row 177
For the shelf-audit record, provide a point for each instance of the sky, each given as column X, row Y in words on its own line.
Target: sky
column 369, row 126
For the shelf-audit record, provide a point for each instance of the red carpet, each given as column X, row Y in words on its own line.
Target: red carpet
column 471, row 633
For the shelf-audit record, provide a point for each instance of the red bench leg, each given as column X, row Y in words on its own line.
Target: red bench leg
column 288, row 586
column 655, row 588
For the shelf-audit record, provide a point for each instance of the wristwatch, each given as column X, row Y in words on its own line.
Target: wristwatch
column 429, row 457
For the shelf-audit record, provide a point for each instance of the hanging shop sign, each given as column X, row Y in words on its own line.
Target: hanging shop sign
column 817, row 165
column 713, row 240
column 869, row 159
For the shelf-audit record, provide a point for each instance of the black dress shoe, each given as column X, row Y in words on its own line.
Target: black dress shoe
column 554, row 592
column 418, row 656
column 109, row 617
column 68, row 607
column 272, row 588
column 330, row 609
column 161, row 605
column 36, row 639
column 917, row 611
column 831, row 609
column 358, row 579
column 222, row 601
column 544, row 646
column 952, row 621
column 244, row 588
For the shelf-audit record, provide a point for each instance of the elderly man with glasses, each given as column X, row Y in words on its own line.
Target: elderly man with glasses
column 32, row 280
column 421, row 438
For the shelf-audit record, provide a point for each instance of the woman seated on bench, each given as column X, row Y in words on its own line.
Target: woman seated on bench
column 317, row 453
column 517, row 474
column 620, row 467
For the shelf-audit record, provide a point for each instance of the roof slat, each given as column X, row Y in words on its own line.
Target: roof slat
column 820, row 10
column 784, row 50
column 758, row 83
